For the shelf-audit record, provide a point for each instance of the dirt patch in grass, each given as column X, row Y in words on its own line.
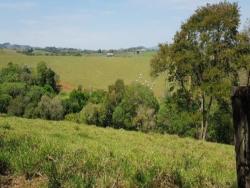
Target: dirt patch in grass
column 164, row 180
column 66, row 86
column 21, row 181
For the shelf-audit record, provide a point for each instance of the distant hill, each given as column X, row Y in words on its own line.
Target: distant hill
column 31, row 50
column 15, row 46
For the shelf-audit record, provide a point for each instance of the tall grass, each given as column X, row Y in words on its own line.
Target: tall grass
column 77, row 155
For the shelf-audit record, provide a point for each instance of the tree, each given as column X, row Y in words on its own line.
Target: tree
column 13, row 89
column 77, row 99
column 176, row 116
column 145, row 119
column 202, row 57
column 17, row 106
column 50, row 109
column 56, row 109
column 92, row 113
column 4, row 102
column 243, row 50
column 113, row 99
column 46, row 76
column 11, row 73
column 137, row 101
column 16, row 73
column 44, row 107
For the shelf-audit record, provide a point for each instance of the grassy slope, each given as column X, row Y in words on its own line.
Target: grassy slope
column 91, row 71
column 88, row 155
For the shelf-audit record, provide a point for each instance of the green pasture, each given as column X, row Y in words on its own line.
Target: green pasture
column 77, row 155
column 93, row 71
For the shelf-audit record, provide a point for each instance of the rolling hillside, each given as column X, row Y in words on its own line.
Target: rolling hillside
column 93, row 71
column 41, row 153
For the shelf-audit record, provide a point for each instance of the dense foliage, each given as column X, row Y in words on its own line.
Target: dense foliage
column 203, row 63
column 32, row 93
column 28, row 93
column 132, row 107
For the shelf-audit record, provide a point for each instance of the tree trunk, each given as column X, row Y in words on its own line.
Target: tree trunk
column 205, row 110
column 206, row 113
column 202, row 112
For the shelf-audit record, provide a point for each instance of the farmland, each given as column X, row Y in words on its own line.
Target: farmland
column 93, row 71
column 50, row 153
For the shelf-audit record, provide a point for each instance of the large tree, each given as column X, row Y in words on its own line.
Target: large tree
column 244, row 54
column 201, row 60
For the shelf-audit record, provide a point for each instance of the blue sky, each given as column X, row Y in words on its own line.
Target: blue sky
column 94, row 24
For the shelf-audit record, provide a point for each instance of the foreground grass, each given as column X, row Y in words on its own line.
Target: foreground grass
column 74, row 155
column 94, row 71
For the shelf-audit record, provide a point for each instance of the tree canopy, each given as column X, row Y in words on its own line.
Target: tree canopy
column 202, row 60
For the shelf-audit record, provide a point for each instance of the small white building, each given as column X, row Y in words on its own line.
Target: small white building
column 110, row 54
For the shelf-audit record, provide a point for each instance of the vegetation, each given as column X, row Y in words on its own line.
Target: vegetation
column 75, row 155
column 208, row 56
column 203, row 62
column 93, row 71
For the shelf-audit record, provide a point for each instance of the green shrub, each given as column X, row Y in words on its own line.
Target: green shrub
column 50, row 109
column 92, row 113
column 138, row 99
column 17, row 106
column 31, row 110
column 145, row 119
column 4, row 102
column 77, row 99
column 47, row 77
column 13, row 89
column 74, row 117
column 96, row 96
column 173, row 119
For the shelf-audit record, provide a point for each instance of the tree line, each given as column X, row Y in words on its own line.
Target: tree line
column 34, row 93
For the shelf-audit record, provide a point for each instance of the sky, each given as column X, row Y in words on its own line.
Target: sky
column 97, row 24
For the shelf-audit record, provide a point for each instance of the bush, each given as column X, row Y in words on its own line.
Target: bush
column 56, row 109
column 96, row 97
column 118, row 118
column 92, row 113
column 46, row 76
column 17, row 106
column 31, row 111
column 221, row 129
column 173, row 119
column 13, row 89
column 16, row 73
column 50, row 109
column 74, row 117
column 113, row 99
column 35, row 93
column 138, row 100
column 74, row 104
column 145, row 119
column 4, row 102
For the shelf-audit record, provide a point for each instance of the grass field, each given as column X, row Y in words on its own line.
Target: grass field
column 92, row 71
column 49, row 153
